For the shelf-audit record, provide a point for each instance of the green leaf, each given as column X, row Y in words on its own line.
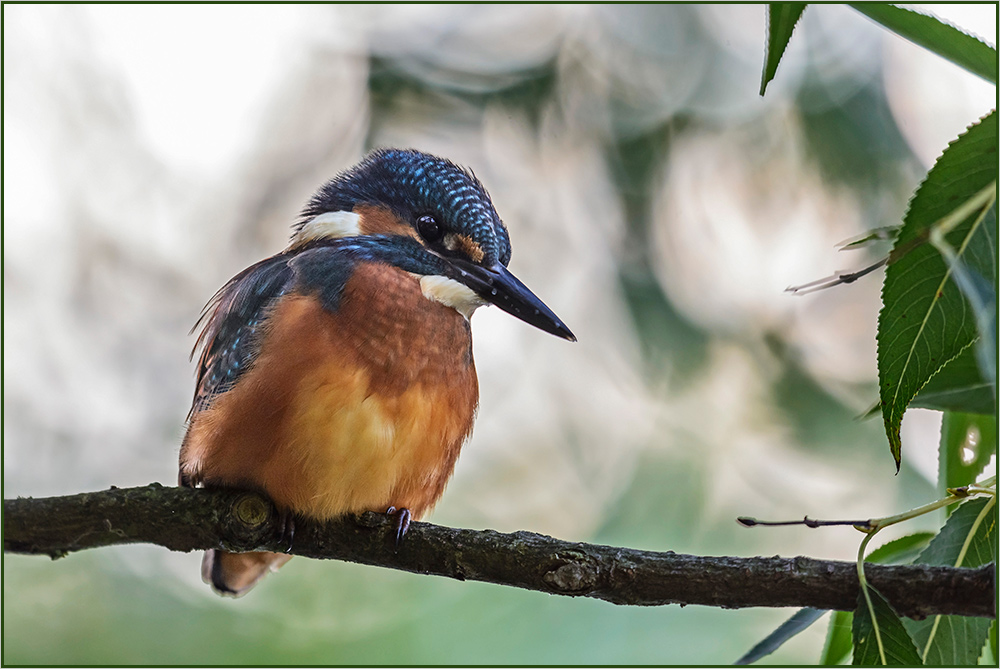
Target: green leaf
column 968, row 539
column 967, row 442
column 799, row 621
column 781, row 20
column 925, row 321
column 898, row 551
column 838, row 638
column 993, row 641
column 879, row 635
column 978, row 290
column 902, row 550
column 959, row 386
column 935, row 35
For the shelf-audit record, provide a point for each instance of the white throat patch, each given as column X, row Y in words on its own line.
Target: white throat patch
column 451, row 294
column 330, row 225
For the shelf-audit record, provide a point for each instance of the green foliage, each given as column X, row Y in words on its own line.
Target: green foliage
column 936, row 349
column 925, row 320
column 968, row 539
column 839, row 643
column 935, row 35
column 879, row 635
column 993, row 641
column 799, row 621
column 978, row 290
column 967, row 442
column 898, row 551
column 781, row 20
column 902, row 550
column 959, row 386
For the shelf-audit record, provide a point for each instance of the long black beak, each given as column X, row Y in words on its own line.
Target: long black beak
column 498, row 286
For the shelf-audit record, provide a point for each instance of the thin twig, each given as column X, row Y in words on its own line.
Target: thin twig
column 835, row 280
column 746, row 521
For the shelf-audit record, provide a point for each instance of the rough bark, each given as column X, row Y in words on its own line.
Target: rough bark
column 184, row 520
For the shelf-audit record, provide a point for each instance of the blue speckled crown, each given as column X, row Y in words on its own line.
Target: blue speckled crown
column 413, row 183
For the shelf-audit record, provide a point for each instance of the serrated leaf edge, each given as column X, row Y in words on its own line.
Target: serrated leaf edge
column 927, row 14
column 895, row 445
column 764, row 81
column 965, row 31
column 947, row 275
column 958, row 563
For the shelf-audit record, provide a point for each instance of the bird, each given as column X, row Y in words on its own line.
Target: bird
column 337, row 376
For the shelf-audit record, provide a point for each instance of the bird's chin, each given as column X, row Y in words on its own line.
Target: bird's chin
column 451, row 293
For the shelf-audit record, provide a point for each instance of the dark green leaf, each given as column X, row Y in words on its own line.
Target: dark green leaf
column 925, row 321
column 898, row 551
column 956, row 545
column 951, row 641
column 838, row 638
column 968, row 539
column 879, row 635
column 935, row 35
column 902, row 550
column 781, row 20
column 959, row 386
column 799, row 621
column 979, row 291
column 967, row 442
column 993, row 641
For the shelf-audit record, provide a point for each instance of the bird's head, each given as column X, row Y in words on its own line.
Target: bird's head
column 433, row 219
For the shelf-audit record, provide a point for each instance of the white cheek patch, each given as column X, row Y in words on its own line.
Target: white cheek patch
column 451, row 294
column 331, row 225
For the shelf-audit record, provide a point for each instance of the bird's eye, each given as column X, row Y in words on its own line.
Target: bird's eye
column 429, row 228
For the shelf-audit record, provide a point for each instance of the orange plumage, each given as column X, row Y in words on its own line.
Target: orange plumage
column 345, row 412
column 337, row 376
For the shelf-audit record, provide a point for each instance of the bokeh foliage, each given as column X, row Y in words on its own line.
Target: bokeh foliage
column 713, row 386
column 937, row 343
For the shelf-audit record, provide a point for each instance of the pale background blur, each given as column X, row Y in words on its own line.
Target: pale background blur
column 655, row 202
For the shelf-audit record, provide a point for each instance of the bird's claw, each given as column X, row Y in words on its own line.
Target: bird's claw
column 402, row 524
column 286, row 528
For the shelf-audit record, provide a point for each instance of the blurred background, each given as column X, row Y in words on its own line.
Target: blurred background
column 654, row 201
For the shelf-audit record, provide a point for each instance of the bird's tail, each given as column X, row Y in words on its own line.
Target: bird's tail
column 235, row 573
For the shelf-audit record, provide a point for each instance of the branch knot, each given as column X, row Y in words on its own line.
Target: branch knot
column 252, row 510
column 576, row 575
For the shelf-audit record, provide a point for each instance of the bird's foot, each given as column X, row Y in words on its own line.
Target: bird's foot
column 402, row 517
column 286, row 528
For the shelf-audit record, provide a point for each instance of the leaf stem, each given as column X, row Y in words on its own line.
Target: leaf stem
column 958, row 562
column 878, row 523
column 980, row 201
column 863, row 582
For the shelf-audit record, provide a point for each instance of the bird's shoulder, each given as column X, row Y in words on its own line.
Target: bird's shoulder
column 230, row 325
column 375, row 303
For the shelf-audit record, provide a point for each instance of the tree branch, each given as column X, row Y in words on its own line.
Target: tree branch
column 184, row 520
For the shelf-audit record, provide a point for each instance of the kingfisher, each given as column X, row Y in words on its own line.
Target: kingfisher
column 337, row 376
